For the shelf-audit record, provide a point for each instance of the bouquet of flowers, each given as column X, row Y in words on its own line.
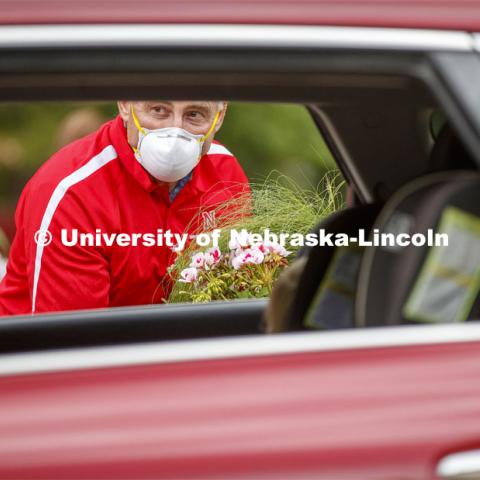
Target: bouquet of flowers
column 242, row 272
column 249, row 269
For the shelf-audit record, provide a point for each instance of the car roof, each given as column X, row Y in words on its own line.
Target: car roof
column 433, row 14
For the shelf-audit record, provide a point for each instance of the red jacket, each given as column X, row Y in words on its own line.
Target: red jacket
column 96, row 183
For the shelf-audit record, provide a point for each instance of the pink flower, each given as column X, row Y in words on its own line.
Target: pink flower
column 234, row 244
column 278, row 249
column 198, row 260
column 212, row 256
column 239, row 244
column 237, row 262
column 188, row 275
column 263, row 248
column 257, row 255
column 251, row 255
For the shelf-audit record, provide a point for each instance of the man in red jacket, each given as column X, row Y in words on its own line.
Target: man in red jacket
column 149, row 171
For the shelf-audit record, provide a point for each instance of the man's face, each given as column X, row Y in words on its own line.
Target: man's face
column 194, row 116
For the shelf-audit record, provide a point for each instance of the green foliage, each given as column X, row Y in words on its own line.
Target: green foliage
column 33, row 129
column 276, row 136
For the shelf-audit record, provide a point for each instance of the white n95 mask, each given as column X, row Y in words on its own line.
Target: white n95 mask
column 169, row 154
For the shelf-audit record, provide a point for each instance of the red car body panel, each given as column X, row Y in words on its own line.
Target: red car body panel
column 384, row 413
column 441, row 14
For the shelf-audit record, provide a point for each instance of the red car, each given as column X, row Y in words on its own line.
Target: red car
column 188, row 391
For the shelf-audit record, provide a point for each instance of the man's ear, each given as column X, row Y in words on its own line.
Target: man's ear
column 124, row 110
column 221, row 117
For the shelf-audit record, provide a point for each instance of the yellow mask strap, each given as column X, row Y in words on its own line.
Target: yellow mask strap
column 135, row 120
column 210, row 130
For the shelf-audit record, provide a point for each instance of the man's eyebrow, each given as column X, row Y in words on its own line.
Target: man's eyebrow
column 199, row 106
column 156, row 102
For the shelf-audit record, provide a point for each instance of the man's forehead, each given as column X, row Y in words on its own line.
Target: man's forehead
column 186, row 103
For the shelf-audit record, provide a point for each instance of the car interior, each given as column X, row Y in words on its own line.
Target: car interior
column 338, row 286
column 374, row 110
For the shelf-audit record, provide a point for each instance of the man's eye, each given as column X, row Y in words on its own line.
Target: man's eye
column 158, row 109
column 196, row 115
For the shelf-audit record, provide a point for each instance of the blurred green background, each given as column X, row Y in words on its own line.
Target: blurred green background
column 264, row 138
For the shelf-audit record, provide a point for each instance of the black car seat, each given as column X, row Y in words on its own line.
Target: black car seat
column 320, row 289
column 425, row 283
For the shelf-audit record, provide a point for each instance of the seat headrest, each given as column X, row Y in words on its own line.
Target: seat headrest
column 425, row 283
column 448, row 153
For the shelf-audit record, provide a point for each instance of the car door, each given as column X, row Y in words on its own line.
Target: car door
column 383, row 403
